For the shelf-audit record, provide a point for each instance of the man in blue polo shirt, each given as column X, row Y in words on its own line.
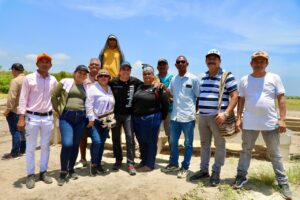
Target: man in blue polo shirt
column 165, row 78
column 184, row 88
column 210, row 117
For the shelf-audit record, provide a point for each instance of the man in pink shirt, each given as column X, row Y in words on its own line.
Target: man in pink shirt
column 35, row 115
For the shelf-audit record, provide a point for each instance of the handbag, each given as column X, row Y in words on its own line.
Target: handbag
column 228, row 128
column 108, row 120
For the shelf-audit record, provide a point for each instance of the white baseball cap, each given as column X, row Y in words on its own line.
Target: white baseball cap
column 213, row 51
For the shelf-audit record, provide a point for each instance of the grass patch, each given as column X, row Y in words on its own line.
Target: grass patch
column 3, row 96
column 293, row 174
column 193, row 194
column 293, row 104
column 263, row 175
column 228, row 193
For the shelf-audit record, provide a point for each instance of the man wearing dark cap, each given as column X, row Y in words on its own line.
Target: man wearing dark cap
column 18, row 137
column 123, row 88
column 165, row 78
column 35, row 115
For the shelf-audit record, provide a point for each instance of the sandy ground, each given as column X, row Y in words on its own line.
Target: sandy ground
column 119, row 185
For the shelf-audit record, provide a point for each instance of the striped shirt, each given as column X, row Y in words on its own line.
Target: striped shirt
column 209, row 93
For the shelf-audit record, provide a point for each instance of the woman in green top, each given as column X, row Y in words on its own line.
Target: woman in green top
column 68, row 100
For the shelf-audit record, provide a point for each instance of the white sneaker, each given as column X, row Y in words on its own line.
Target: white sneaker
column 182, row 173
column 81, row 164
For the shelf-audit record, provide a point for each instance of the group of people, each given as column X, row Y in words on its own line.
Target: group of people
column 105, row 96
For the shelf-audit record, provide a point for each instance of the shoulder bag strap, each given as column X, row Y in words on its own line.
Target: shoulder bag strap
column 221, row 88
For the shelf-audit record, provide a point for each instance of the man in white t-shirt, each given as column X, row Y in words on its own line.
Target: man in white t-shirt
column 257, row 100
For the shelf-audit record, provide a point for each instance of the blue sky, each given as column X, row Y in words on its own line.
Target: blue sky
column 74, row 31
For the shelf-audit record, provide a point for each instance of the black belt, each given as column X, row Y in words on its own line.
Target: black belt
column 40, row 114
column 105, row 115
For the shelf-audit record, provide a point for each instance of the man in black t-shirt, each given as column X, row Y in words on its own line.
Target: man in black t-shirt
column 123, row 88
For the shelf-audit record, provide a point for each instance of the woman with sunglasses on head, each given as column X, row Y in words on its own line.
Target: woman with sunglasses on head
column 150, row 107
column 68, row 100
column 99, row 106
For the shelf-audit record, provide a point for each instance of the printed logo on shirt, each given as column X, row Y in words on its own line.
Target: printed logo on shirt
column 130, row 96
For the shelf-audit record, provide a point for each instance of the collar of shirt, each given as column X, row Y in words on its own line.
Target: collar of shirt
column 220, row 71
column 102, row 90
column 40, row 76
column 186, row 75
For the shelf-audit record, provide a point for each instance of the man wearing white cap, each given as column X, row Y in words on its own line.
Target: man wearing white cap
column 257, row 96
column 210, row 117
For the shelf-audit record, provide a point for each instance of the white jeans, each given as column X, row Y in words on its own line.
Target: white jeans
column 34, row 125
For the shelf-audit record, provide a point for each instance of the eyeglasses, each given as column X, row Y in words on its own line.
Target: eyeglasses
column 180, row 62
column 94, row 64
column 103, row 76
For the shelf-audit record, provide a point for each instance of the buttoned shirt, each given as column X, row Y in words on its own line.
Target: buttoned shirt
column 14, row 93
column 98, row 101
column 36, row 93
column 185, row 89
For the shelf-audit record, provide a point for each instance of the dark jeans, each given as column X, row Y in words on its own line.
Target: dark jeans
column 98, row 136
column 18, row 138
column 126, row 122
column 71, row 125
column 146, row 129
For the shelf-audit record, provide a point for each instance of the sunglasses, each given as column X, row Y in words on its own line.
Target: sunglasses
column 94, row 64
column 103, row 76
column 180, row 62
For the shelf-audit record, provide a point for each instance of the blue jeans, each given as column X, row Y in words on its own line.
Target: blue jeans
column 98, row 136
column 18, row 138
column 71, row 125
column 175, row 130
column 146, row 129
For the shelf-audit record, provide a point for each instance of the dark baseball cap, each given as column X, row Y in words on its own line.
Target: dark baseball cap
column 82, row 68
column 125, row 63
column 17, row 66
column 162, row 60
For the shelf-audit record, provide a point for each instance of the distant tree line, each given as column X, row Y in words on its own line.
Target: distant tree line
column 5, row 78
column 293, row 97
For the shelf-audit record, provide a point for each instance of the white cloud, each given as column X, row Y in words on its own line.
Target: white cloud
column 247, row 26
column 57, row 59
column 31, row 57
column 256, row 25
column 60, row 58
column 132, row 8
column 136, row 70
column 137, row 64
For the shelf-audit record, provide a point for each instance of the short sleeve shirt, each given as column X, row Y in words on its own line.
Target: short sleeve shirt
column 260, row 101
